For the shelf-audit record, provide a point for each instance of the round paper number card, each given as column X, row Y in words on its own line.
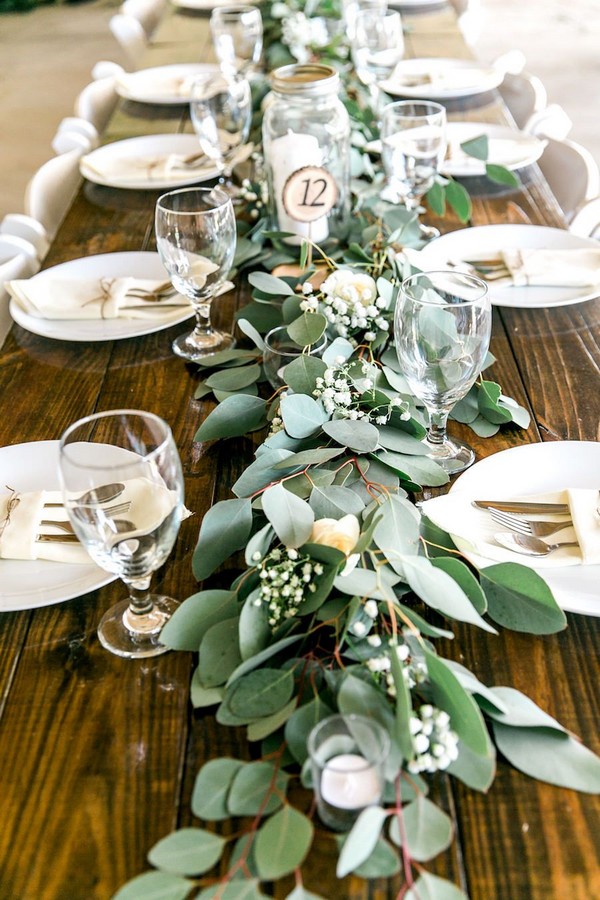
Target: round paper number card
column 309, row 193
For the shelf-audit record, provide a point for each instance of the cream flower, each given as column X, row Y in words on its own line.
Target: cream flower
column 351, row 286
column 342, row 534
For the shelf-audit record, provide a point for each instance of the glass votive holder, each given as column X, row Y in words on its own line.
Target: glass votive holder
column 347, row 755
column 281, row 349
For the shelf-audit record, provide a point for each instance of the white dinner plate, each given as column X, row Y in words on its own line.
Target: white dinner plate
column 161, row 84
column 105, row 265
column 506, row 147
column 206, row 4
column 535, row 469
column 147, row 147
column 29, row 584
column 449, row 78
column 488, row 240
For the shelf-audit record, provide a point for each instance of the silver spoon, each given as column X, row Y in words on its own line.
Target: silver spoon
column 527, row 544
column 103, row 494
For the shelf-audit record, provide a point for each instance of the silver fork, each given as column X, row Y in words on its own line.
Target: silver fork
column 526, row 526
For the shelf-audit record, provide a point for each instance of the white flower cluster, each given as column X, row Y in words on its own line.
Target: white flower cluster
column 434, row 742
column 256, row 197
column 302, row 35
column 413, row 671
column 342, row 389
column 350, row 302
column 286, row 579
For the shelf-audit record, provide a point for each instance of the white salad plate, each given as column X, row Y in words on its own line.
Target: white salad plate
column 444, row 78
column 536, row 469
column 105, row 265
column 147, row 147
column 506, row 147
column 29, row 584
column 488, row 240
column 162, row 84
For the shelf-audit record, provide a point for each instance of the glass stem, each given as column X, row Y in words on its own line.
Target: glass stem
column 203, row 327
column 140, row 601
column 436, row 433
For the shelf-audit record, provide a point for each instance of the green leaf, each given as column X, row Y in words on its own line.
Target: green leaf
column 300, row 893
column 394, row 439
column 334, row 502
column 201, row 696
column 477, row 147
column 155, row 886
column 234, row 379
column 189, row 851
column 190, row 621
column 428, row 829
column 313, row 457
column 361, row 840
column 357, row 696
column 225, row 528
column 458, row 198
column 519, row 711
column 440, row 591
column 360, row 436
column 308, row 329
column 270, row 284
column 549, row 755
column 260, row 693
column 397, row 530
column 261, row 472
column 219, row 653
column 403, row 706
column 233, row 417
column 254, row 630
column 475, row 771
column 234, row 890
column 366, row 583
column 301, row 723
column 419, row 469
column 383, row 862
column 261, row 729
column 248, row 329
column 249, row 664
column 436, row 199
column 301, row 374
column 501, row 175
column 291, row 517
column 209, row 797
column 282, row 843
column 465, row 578
column 431, row 887
column 301, row 415
column 257, row 787
column 465, row 717
column 487, row 401
column 260, row 543
column 518, row 598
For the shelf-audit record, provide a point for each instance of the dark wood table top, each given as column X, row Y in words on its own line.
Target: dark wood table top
column 98, row 754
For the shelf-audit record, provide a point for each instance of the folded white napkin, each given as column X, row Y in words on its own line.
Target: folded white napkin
column 473, row 530
column 439, row 78
column 158, row 84
column 21, row 514
column 577, row 267
column 95, row 298
column 501, row 152
column 143, row 168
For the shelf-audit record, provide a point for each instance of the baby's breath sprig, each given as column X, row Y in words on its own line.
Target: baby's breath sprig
column 346, row 391
column 287, row 578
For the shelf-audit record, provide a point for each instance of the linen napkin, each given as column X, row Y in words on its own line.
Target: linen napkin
column 96, row 298
column 501, row 152
column 143, row 168
column 473, row 530
column 149, row 504
column 577, row 267
column 438, row 78
column 158, row 84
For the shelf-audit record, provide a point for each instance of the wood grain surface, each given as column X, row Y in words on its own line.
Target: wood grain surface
column 98, row 755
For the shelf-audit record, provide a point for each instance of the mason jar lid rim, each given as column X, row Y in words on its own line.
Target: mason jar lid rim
column 305, row 78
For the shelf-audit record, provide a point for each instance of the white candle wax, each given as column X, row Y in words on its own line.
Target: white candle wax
column 289, row 153
column 349, row 782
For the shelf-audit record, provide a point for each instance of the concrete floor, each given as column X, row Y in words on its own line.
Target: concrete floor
column 46, row 57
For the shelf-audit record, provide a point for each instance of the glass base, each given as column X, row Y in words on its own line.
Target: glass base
column 136, row 636
column 452, row 455
column 194, row 347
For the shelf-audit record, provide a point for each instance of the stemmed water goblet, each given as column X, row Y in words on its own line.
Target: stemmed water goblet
column 196, row 239
column 237, row 34
column 134, row 452
column 442, row 330
column 413, row 145
column 221, row 110
column 351, row 8
column 377, row 48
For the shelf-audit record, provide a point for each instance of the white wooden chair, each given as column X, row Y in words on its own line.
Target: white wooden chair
column 147, row 12
column 18, row 259
column 524, row 95
column 470, row 19
column 552, row 121
column 572, row 173
column 130, row 36
column 27, row 229
column 51, row 190
column 96, row 102
column 586, row 222
column 74, row 133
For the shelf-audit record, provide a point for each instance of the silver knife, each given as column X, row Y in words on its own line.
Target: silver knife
column 524, row 506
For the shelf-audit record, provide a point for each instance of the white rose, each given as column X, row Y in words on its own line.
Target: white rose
column 342, row 534
column 346, row 284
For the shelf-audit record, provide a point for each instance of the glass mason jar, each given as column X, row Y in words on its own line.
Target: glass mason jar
column 306, row 145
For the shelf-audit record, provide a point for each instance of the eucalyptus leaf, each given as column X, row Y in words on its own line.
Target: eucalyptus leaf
column 251, row 332
column 155, row 886
column 201, row 696
column 262, row 472
column 291, row 518
column 266, row 725
column 339, row 348
column 428, row 829
column 192, row 619
column 520, row 599
column 441, row 591
column 233, row 417
column 366, row 583
column 360, row 435
column 234, row 890
column 188, row 851
column 261, row 692
column 259, row 658
column 302, row 415
column 475, row 771
column 397, row 531
column 458, row 198
column 477, row 147
column 549, row 755
column 254, row 630
column 300, row 893
column 251, row 390
column 432, row 887
column 519, row 711
column 361, row 840
column 313, row 457
column 259, row 544
column 502, row 175
column 301, row 723
column 382, row 862
column 282, row 843
column 225, row 528
column 269, row 284
column 465, row 717
column 301, row 373
column 334, row 502
column 487, row 401
column 419, row 469
column 257, row 787
column 209, row 796
column 403, row 705
column 234, row 379
column 219, row 653
column 394, row 439
column 307, row 329
column 357, row 696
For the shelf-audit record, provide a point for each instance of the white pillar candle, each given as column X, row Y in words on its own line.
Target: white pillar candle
column 289, row 153
column 349, row 782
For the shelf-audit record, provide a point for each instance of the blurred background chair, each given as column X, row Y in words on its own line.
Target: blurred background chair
column 130, row 36
column 586, row 221
column 147, row 12
column 18, row 259
column 552, row 121
column 470, row 19
column 27, row 229
column 74, row 133
column 572, row 173
column 524, row 95
column 49, row 193
column 96, row 102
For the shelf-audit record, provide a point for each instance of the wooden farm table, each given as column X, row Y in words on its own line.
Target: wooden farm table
column 98, row 754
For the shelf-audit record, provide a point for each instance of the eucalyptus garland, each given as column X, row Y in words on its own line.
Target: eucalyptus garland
column 341, row 587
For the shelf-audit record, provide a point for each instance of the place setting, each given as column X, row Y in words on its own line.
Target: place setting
column 170, row 84
column 441, row 78
column 507, row 147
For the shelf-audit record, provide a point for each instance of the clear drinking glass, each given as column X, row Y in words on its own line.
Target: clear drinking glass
column 123, row 490
column 221, row 109
column 413, row 145
column 442, row 328
column 351, row 8
column 281, row 349
column 196, row 239
column 347, row 755
column 377, row 47
column 237, row 33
